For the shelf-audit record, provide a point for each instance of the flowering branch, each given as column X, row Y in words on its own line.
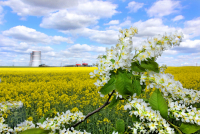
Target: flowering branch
column 97, row 110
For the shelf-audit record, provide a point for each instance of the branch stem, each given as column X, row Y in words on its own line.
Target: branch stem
column 97, row 110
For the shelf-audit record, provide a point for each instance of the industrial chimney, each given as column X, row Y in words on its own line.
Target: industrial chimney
column 35, row 58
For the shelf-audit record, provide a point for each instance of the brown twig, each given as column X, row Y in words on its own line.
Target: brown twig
column 97, row 110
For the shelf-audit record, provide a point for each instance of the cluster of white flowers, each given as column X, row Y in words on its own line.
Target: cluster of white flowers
column 52, row 124
column 145, row 112
column 4, row 129
column 66, row 117
column 5, row 106
column 172, row 91
column 176, row 109
column 123, row 56
column 162, row 81
column 168, row 86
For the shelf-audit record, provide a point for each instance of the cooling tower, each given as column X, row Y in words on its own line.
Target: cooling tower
column 36, row 58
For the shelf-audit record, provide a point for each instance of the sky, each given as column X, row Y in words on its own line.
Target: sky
column 69, row 32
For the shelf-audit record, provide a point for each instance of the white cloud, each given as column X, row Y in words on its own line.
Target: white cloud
column 152, row 27
column 23, row 33
column 43, row 49
column 179, row 17
column 58, row 4
column 53, row 54
column 1, row 9
column 96, row 27
column 63, row 20
column 114, row 28
column 23, row 18
column 163, row 7
column 149, row 28
column 1, row 15
column 191, row 26
column 22, row 47
column 113, row 22
column 193, row 44
column 146, row 29
column 96, row 8
column 85, row 48
column 38, row 7
column 58, row 39
column 134, row 6
column 78, row 47
column 127, row 22
column 30, row 35
column 187, row 54
column 103, row 37
column 80, row 53
column 7, row 42
column 85, row 14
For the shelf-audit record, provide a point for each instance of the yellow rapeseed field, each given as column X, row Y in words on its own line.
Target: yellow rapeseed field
column 42, row 89
column 71, row 88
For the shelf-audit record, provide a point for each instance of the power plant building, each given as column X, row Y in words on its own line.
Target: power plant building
column 35, row 58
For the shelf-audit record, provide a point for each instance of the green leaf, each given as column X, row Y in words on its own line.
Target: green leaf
column 112, row 129
column 171, row 117
column 135, row 119
column 129, row 74
column 150, row 65
column 113, row 61
column 41, row 120
column 197, row 105
column 143, row 86
column 104, row 56
column 137, row 87
column 175, row 127
column 113, row 102
column 120, row 126
column 152, row 58
column 112, row 73
column 35, row 131
column 157, row 102
column 108, row 87
column 146, row 100
column 48, row 113
column 136, row 67
column 123, row 84
column 189, row 128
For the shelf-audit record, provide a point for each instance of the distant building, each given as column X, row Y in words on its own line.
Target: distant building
column 78, row 65
column 84, row 64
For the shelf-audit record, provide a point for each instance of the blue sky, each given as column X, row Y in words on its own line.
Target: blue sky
column 72, row 31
